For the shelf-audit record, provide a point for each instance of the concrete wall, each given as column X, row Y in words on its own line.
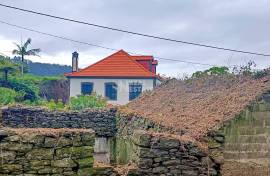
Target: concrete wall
column 99, row 87
column 46, row 152
column 102, row 121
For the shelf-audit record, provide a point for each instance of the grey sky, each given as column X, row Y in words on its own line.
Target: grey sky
column 238, row 24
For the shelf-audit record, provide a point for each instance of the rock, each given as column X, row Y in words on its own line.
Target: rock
column 67, row 162
column 3, row 134
column 88, row 139
column 171, row 162
column 63, row 142
column 166, row 143
column 19, row 147
column 160, row 170
column 40, row 163
column 40, row 154
column 145, row 163
column 50, row 142
column 11, row 168
column 75, row 152
column 141, row 138
column 85, row 172
column 7, row 155
column 219, row 139
column 86, row 162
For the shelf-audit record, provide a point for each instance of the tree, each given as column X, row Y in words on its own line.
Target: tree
column 22, row 50
column 6, row 66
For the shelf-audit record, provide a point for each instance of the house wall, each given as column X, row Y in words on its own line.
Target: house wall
column 99, row 87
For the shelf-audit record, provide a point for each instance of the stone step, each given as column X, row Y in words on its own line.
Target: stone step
column 247, row 139
column 248, row 147
column 246, row 155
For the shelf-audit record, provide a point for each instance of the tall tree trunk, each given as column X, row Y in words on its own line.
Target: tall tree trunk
column 22, row 65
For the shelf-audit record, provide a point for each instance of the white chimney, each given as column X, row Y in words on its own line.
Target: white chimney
column 75, row 60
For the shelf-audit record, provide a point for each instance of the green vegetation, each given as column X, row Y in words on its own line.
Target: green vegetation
column 22, row 50
column 8, row 67
column 26, row 90
column 9, row 96
column 211, row 71
column 87, row 101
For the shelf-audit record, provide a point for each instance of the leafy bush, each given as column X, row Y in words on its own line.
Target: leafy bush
column 9, row 96
column 55, row 105
column 33, row 82
column 211, row 71
column 29, row 94
column 87, row 101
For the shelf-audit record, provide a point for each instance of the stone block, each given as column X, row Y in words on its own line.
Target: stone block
column 166, row 143
column 40, row 154
column 7, row 155
column 75, row 152
column 16, row 146
column 64, row 163
column 85, row 172
column 160, row 170
column 141, row 138
column 86, row 162
column 50, row 142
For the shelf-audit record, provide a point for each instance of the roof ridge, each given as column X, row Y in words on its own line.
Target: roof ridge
column 102, row 60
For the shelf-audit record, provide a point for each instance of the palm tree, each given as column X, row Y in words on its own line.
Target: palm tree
column 22, row 51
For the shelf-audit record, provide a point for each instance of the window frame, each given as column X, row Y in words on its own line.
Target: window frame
column 130, row 97
column 105, row 91
column 87, row 83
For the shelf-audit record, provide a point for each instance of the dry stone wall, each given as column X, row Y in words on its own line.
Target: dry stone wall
column 46, row 152
column 157, row 154
column 102, row 121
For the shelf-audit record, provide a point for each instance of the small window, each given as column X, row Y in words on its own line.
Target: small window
column 135, row 89
column 86, row 88
column 111, row 91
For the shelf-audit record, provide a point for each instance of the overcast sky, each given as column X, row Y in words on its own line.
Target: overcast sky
column 237, row 24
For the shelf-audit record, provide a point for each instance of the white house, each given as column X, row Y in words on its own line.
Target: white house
column 119, row 77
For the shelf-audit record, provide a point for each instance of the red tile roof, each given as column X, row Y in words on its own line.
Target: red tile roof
column 119, row 64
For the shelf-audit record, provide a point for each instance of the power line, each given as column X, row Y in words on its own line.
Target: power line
column 99, row 46
column 134, row 33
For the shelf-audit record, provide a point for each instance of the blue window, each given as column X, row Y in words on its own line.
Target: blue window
column 135, row 89
column 111, row 91
column 86, row 88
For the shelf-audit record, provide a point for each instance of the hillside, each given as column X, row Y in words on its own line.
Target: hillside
column 45, row 69
column 196, row 106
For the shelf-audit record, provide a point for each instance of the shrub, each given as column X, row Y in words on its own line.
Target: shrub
column 87, row 101
column 211, row 71
column 9, row 96
column 52, row 105
column 29, row 94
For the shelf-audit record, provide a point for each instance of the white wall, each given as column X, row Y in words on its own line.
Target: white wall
column 99, row 87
